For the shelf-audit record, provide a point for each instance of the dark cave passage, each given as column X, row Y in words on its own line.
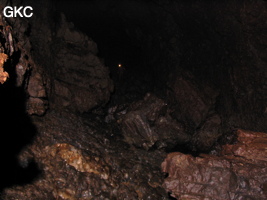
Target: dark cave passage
column 161, row 49
column 116, row 35
column 155, row 43
column 136, row 99
column 141, row 42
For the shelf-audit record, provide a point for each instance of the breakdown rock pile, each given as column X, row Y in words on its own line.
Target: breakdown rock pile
column 80, row 161
column 148, row 124
column 239, row 172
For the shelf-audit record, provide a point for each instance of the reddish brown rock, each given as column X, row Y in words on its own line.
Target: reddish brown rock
column 251, row 146
column 239, row 173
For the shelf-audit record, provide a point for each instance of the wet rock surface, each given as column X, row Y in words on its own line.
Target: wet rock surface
column 80, row 161
column 238, row 172
column 148, row 123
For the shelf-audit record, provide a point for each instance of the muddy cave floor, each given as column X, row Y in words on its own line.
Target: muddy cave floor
column 129, row 172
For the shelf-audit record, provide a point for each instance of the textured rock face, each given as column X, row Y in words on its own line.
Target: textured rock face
column 193, row 104
column 63, row 67
column 239, row 172
column 26, row 73
column 147, row 123
column 250, row 146
column 80, row 161
column 82, row 80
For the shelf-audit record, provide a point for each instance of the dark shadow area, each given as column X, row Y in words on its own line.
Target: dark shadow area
column 17, row 131
column 125, row 56
column 185, row 149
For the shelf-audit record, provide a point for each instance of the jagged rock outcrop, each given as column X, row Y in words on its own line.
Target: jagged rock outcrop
column 238, row 172
column 193, row 104
column 81, row 79
column 60, row 65
column 147, row 123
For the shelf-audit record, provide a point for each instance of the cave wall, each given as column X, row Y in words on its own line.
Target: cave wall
column 61, row 69
column 221, row 44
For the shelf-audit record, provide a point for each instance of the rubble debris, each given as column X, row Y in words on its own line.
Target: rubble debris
column 147, row 123
column 90, row 165
column 192, row 102
column 238, row 173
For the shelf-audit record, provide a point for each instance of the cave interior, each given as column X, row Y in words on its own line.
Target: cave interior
column 105, row 97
